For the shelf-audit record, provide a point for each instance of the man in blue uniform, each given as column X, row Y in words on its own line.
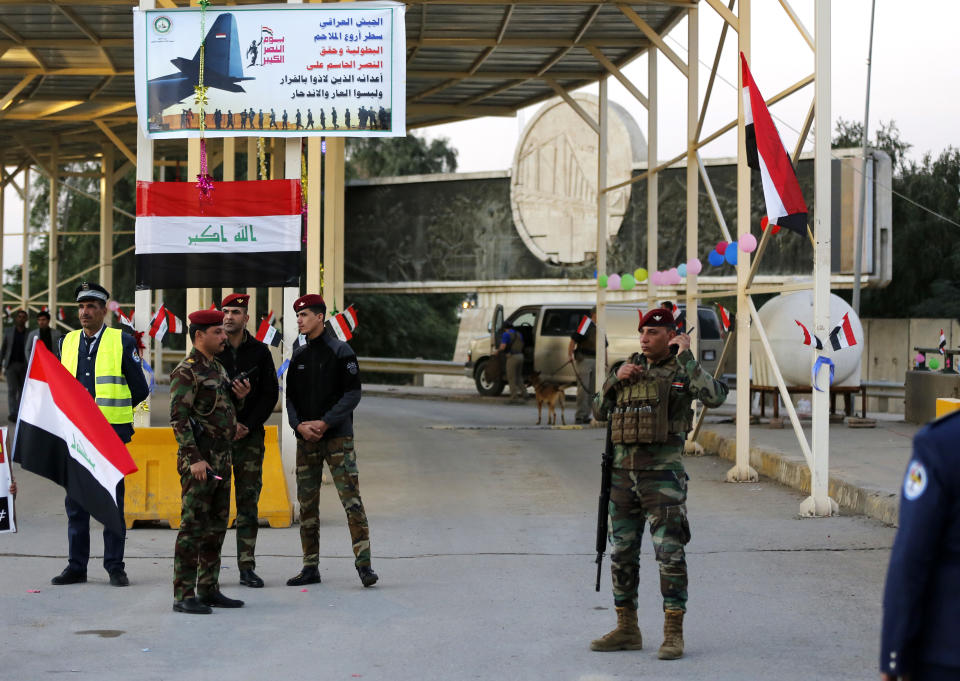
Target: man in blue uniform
column 921, row 602
column 107, row 364
column 511, row 343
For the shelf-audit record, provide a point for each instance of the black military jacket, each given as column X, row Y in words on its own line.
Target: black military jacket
column 264, row 387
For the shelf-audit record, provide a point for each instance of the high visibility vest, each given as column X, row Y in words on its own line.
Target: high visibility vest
column 112, row 392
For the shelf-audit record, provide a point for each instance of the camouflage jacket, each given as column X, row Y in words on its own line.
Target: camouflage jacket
column 688, row 382
column 203, row 410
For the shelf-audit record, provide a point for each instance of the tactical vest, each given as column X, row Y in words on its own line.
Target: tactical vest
column 112, row 392
column 646, row 412
column 516, row 345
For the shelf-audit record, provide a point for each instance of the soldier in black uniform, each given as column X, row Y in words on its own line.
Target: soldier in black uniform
column 244, row 353
column 323, row 389
column 921, row 602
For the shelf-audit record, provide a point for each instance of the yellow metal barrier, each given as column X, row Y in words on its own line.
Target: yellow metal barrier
column 947, row 404
column 153, row 492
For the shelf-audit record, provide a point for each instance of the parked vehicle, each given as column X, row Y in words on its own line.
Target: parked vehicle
column 546, row 331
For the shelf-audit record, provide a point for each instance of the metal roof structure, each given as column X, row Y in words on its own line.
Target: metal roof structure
column 66, row 66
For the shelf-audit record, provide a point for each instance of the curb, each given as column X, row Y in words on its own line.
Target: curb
column 854, row 497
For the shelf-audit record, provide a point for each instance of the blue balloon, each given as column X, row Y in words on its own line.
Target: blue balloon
column 715, row 259
column 682, row 269
column 731, row 254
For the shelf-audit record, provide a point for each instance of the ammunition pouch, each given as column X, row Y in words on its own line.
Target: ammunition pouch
column 640, row 415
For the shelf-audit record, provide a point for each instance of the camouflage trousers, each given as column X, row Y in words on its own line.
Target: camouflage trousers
column 638, row 497
column 203, row 525
column 247, row 457
column 342, row 462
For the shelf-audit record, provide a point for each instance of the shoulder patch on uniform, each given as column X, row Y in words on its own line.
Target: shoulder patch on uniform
column 135, row 355
column 353, row 367
column 915, row 483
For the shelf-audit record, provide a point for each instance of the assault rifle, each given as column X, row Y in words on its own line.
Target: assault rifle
column 606, row 472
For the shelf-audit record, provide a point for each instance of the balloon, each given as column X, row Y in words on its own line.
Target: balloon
column 920, row 358
column 113, row 306
column 715, row 259
column 722, row 247
column 682, row 269
column 602, row 281
column 764, row 221
column 640, row 274
column 613, row 282
column 748, row 243
column 934, row 363
column 674, row 275
column 694, row 266
column 627, row 282
column 731, row 254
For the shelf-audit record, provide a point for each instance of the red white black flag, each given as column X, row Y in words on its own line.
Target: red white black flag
column 340, row 327
column 724, row 317
column 809, row 338
column 267, row 333
column 62, row 435
column 943, row 343
column 247, row 234
column 765, row 152
column 842, row 334
column 8, row 519
column 584, row 326
column 350, row 314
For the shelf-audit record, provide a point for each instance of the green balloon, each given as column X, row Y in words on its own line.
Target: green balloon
column 627, row 282
column 602, row 281
column 934, row 363
column 640, row 274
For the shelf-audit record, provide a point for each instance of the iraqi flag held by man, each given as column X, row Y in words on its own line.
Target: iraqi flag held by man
column 765, row 152
column 246, row 234
column 584, row 326
column 62, row 435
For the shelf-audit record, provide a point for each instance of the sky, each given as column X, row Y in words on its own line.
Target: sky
column 914, row 68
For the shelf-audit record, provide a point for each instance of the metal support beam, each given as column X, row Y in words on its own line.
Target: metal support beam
column 693, row 181
column 795, row 18
column 14, row 91
column 726, row 14
column 819, row 502
column 600, row 375
column 572, row 103
column 112, row 136
column 653, row 37
column 742, row 471
column 618, row 74
column 53, row 240
column 106, row 219
column 714, row 204
column 25, row 267
column 653, row 179
column 713, row 72
column 804, row 132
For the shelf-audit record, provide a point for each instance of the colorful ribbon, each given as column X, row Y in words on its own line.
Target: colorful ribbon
column 821, row 361
column 149, row 370
column 283, row 367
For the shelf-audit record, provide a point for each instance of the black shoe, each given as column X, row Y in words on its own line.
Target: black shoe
column 216, row 599
column 119, row 578
column 69, row 576
column 250, row 578
column 367, row 575
column 191, row 606
column 308, row 575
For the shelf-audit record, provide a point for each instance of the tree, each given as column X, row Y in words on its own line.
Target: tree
column 389, row 156
column 926, row 267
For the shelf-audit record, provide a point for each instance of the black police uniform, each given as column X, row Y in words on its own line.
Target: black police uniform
column 921, row 602
column 264, row 387
column 323, row 382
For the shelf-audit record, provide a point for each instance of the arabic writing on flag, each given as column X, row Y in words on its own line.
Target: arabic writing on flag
column 248, row 234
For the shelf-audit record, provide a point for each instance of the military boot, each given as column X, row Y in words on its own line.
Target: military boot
column 625, row 637
column 672, row 648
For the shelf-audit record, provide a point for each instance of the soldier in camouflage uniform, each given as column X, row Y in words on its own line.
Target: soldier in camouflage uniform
column 648, row 402
column 244, row 353
column 203, row 415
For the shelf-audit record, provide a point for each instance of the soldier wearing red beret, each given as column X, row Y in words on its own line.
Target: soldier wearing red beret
column 323, row 389
column 203, row 413
column 647, row 403
column 244, row 354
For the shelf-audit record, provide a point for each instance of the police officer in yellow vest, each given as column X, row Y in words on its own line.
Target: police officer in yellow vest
column 107, row 364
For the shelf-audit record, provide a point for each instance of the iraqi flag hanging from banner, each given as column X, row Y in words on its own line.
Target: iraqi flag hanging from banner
column 62, row 435
column 245, row 234
column 765, row 152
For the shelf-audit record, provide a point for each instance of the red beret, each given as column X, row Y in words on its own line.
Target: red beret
column 309, row 300
column 206, row 317
column 236, row 300
column 657, row 317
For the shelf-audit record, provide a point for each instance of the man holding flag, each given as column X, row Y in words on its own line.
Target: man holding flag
column 105, row 361
column 583, row 354
column 245, row 354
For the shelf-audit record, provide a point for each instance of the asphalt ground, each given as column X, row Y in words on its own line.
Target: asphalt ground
column 483, row 539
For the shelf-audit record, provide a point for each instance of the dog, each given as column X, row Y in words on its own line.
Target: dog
column 550, row 394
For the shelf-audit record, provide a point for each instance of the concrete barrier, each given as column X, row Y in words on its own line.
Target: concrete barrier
column 153, row 492
column 945, row 405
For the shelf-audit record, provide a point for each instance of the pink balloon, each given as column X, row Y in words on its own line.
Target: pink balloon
column 747, row 243
column 674, row 276
column 694, row 266
column 613, row 282
column 113, row 306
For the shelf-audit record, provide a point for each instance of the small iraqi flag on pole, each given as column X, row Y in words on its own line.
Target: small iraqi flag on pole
column 809, row 338
column 62, row 435
column 584, row 325
column 724, row 317
column 350, row 314
column 340, row 327
column 842, row 334
column 765, row 152
column 158, row 327
column 60, row 314
column 943, row 342
column 123, row 318
column 267, row 333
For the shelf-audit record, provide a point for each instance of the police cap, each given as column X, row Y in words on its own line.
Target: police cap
column 88, row 291
column 206, row 317
column 309, row 300
column 236, row 300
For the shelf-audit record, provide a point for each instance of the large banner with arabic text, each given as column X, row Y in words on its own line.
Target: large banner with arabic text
column 336, row 70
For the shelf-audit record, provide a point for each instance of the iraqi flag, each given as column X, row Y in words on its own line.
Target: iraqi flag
column 267, row 333
column 842, row 334
column 124, row 318
column 724, row 317
column 809, row 338
column 943, row 343
column 246, row 234
column 340, row 327
column 765, row 152
column 584, row 326
column 62, row 435
column 60, row 314
column 350, row 314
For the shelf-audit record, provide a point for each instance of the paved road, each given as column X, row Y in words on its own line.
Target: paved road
column 483, row 540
